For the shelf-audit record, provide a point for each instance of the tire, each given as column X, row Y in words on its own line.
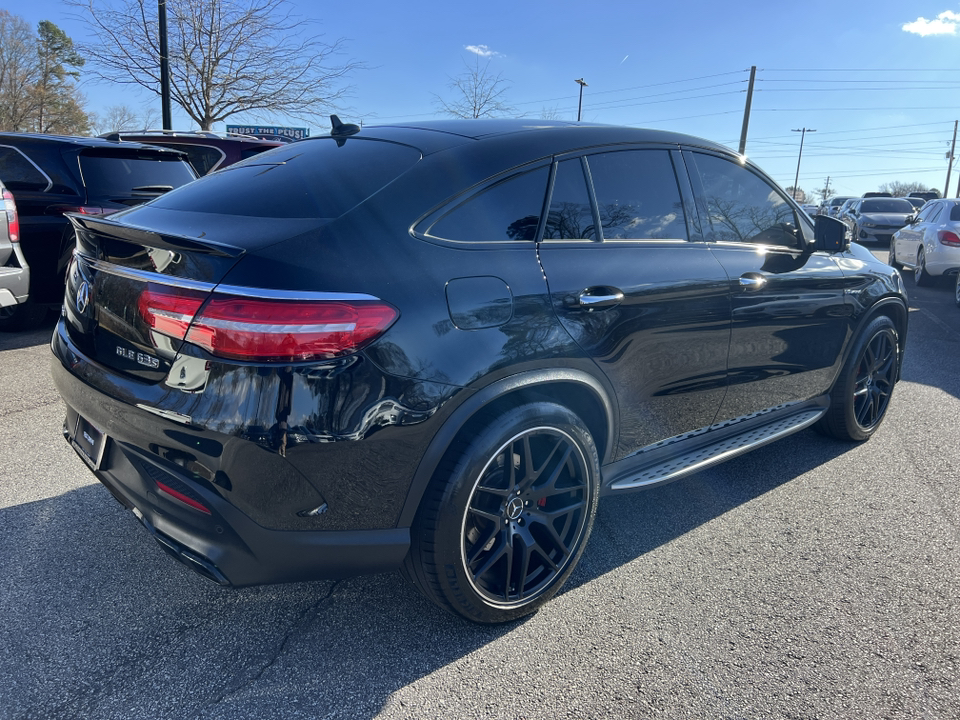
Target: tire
column 861, row 396
column 892, row 257
column 956, row 290
column 922, row 278
column 507, row 515
column 24, row 316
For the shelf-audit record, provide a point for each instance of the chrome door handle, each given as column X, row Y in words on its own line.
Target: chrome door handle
column 751, row 282
column 599, row 298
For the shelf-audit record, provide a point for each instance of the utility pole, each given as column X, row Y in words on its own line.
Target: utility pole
column 826, row 190
column 953, row 145
column 580, row 106
column 164, row 66
column 746, row 110
column 803, row 133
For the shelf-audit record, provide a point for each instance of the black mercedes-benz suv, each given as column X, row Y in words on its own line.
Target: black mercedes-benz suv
column 433, row 347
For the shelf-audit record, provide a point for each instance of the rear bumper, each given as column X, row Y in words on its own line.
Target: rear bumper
column 146, row 465
column 14, row 279
column 225, row 545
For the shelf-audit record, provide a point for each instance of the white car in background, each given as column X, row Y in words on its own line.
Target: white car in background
column 14, row 273
column 930, row 245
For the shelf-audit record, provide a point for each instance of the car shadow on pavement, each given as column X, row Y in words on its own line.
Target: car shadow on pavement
column 630, row 526
column 99, row 622
column 16, row 340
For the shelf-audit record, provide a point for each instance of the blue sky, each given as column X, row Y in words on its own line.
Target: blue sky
column 878, row 81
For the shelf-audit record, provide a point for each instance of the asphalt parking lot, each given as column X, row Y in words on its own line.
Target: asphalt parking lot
column 809, row 579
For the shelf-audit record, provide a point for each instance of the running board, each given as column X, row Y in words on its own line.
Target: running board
column 717, row 452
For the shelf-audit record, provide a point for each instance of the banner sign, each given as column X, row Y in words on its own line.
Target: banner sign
column 270, row 132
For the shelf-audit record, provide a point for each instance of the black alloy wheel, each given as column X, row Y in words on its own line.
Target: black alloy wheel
column 525, row 516
column 921, row 277
column 505, row 523
column 860, row 398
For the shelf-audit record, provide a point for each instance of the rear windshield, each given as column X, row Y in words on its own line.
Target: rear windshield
column 132, row 174
column 310, row 179
column 886, row 205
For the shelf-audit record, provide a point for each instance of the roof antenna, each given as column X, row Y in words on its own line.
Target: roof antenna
column 341, row 129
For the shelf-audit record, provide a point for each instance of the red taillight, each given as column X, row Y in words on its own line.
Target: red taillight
column 169, row 310
column 277, row 330
column 265, row 330
column 13, row 220
column 948, row 238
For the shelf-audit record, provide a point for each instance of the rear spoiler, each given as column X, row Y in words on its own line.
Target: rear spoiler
column 107, row 227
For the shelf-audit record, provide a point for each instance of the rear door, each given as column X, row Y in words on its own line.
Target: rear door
column 634, row 285
column 907, row 240
column 790, row 316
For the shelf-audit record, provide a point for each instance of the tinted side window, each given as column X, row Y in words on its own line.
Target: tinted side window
column 570, row 216
column 742, row 207
column 935, row 213
column 507, row 211
column 18, row 173
column 637, row 195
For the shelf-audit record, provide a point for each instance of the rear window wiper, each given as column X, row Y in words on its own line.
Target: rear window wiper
column 159, row 189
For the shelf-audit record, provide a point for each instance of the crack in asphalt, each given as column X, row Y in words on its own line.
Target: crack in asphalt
column 296, row 627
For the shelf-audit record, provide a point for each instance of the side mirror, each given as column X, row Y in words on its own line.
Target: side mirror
column 911, row 219
column 830, row 234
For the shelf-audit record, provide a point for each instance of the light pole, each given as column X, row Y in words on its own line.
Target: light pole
column 803, row 133
column 582, row 84
column 164, row 66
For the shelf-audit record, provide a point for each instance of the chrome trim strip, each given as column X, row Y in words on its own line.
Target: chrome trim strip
column 292, row 294
column 145, row 276
column 186, row 284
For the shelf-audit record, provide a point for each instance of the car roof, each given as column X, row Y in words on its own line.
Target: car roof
column 552, row 136
column 76, row 141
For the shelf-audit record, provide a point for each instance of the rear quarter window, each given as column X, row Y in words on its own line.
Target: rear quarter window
column 318, row 178
column 19, row 173
column 507, row 211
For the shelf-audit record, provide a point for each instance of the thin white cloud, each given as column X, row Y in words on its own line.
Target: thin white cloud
column 944, row 24
column 481, row 50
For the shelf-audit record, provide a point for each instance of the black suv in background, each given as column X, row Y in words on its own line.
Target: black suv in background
column 50, row 175
column 208, row 151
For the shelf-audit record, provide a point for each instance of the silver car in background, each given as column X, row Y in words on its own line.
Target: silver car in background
column 14, row 273
column 930, row 245
column 876, row 219
column 832, row 206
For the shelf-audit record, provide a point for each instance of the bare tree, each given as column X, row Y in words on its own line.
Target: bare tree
column 19, row 71
column 900, row 189
column 477, row 93
column 553, row 113
column 119, row 118
column 226, row 56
